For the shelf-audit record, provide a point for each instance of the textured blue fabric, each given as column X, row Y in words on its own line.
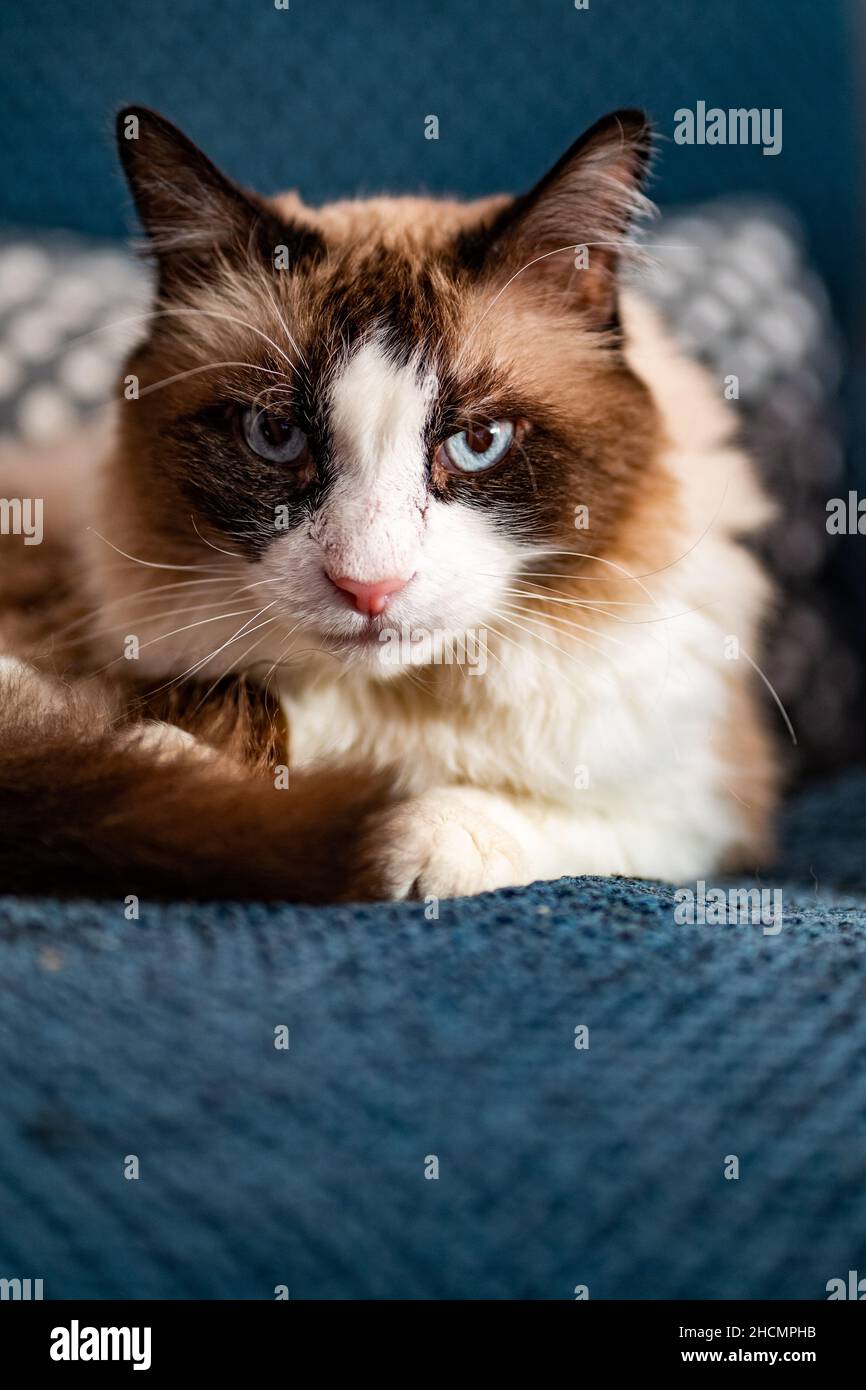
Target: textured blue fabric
column 454, row 1038
column 331, row 96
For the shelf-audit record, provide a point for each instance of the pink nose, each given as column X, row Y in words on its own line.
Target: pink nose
column 370, row 599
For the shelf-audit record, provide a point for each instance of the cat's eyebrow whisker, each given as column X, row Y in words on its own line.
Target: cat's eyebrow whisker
column 275, row 394
column 620, row 243
column 179, row 312
column 285, row 327
column 195, row 371
column 558, row 250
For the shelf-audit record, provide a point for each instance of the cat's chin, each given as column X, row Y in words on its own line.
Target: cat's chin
column 386, row 653
column 369, row 654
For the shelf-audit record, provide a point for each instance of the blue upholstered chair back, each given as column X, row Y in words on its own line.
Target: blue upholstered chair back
column 330, row 96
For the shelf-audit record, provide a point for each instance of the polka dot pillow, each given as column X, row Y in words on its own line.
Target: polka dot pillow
column 69, row 309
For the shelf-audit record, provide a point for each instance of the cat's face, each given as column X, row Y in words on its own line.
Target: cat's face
column 381, row 411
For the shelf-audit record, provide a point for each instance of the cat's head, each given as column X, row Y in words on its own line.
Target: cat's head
column 378, row 413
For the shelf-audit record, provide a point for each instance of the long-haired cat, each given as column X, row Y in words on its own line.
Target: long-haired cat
column 412, row 562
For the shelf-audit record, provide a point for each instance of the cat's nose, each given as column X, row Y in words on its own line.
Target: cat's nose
column 369, row 599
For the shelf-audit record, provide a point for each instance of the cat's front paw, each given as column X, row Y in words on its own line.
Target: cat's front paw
column 443, row 845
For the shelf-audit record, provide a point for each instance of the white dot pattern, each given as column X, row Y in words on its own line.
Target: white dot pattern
column 61, row 346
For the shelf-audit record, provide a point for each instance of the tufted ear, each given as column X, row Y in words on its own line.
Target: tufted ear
column 191, row 212
column 565, row 236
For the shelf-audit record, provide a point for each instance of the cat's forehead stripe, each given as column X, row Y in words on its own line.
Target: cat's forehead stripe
column 378, row 413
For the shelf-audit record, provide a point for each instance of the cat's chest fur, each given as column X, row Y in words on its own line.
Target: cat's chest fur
column 570, row 723
column 454, row 728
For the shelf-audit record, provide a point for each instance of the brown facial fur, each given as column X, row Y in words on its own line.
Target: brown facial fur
column 454, row 282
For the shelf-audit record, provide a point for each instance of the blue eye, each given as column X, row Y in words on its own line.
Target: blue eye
column 477, row 449
column 273, row 438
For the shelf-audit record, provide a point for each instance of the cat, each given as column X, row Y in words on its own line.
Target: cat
column 428, row 550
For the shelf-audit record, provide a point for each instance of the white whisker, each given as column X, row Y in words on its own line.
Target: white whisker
column 522, row 647
column 197, row 666
column 150, row 564
column 187, row 627
column 558, row 251
column 565, row 622
column 784, row 713
column 217, row 548
column 204, row 367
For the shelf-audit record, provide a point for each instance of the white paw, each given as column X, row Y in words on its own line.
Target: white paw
column 444, row 845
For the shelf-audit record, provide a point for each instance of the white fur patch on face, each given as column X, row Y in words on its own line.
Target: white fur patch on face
column 370, row 526
column 377, row 522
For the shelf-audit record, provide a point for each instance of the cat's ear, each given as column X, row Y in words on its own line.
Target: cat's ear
column 191, row 212
column 566, row 235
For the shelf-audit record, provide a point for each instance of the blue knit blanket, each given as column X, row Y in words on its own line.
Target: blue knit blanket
column 357, row 1103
